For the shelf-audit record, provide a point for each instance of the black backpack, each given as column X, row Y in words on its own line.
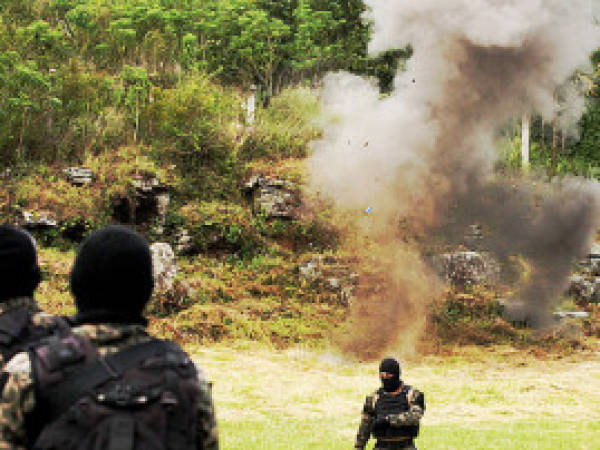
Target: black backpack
column 17, row 332
column 143, row 397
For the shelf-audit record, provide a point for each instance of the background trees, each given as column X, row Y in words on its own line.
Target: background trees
column 78, row 75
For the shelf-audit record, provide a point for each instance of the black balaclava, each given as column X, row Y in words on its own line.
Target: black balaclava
column 390, row 365
column 19, row 270
column 112, row 277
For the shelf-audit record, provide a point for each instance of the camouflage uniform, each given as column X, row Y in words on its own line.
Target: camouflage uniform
column 38, row 319
column 410, row 418
column 18, row 394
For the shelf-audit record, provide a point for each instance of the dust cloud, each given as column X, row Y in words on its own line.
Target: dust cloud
column 425, row 154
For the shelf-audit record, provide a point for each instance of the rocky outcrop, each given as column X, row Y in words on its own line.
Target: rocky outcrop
column 331, row 275
column 466, row 268
column 147, row 201
column 79, row 176
column 584, row 285
column 272, row 197
column 32, row 220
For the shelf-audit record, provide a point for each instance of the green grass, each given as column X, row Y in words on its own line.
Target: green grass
column 530, row 435
column 280, row 432
column 306, row 398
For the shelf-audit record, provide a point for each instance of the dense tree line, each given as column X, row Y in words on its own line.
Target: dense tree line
column 79, row 75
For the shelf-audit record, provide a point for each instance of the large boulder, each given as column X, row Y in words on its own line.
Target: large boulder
column 467, row 268
column 164, row 267
column 169, row 294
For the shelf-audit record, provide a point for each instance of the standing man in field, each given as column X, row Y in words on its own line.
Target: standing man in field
column 21, row 321
column 392, row 413
column 108, row 384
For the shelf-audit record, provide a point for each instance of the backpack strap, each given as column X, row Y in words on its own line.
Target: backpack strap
column 83, row 380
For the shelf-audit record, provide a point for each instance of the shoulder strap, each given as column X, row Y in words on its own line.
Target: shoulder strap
column 62, row 395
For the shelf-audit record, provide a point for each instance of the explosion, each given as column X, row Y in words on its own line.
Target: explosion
column 425, row 154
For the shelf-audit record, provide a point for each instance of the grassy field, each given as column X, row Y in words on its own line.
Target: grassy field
column 479, row 399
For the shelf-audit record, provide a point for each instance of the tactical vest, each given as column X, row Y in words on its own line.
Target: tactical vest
column 17, row 332
column 393, row 404
column 143, row 397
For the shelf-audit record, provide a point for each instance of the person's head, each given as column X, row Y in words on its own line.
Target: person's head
column 19, row 270
column 389, row 374
column 112, row 277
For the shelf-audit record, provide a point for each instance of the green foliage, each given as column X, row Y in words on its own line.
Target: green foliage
column 81, row 76
column 286, row 128
column 471, row 318
column 215, row 227
column 193, row 126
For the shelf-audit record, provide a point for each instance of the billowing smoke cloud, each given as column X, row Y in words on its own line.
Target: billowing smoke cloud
column 425, row 154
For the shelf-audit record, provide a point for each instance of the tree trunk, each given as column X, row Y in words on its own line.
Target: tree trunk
column 22, row 135
column 137, row 117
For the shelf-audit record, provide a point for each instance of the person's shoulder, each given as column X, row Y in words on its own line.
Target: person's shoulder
column 371, row 399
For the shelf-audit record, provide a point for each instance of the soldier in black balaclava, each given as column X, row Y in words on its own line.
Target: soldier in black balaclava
column 21, row 321
column 392, row 413
column 108, row 384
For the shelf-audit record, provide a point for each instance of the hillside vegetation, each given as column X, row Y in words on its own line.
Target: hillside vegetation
column 144, row 89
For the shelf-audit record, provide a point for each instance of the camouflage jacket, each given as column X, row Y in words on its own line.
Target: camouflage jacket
column 38, row 318
column 416, row 409
column 18, row 393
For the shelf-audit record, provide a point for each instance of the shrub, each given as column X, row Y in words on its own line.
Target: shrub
column 216, row 226
column 285, row 128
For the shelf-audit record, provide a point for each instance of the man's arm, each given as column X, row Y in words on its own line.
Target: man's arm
column 17, row 399
column 207, row 437
column 416, row 409
column 364, row 429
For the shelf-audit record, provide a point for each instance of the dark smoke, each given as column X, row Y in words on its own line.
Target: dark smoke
column 427, row 152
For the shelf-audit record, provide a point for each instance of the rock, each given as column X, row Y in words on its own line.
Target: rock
column 347, row 296
column 466, row 268
column 333, row 284
column 596, row 290
column 571, row 315
column 79, row 176
column 164, row 267
column 273, row 197
column 150, row 200
column 594, row 260
column 35, row 220
column 581, row 289
column 309, row 269
column 184, row 242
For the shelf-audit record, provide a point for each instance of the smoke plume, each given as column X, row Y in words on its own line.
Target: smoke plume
column 425, row 154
